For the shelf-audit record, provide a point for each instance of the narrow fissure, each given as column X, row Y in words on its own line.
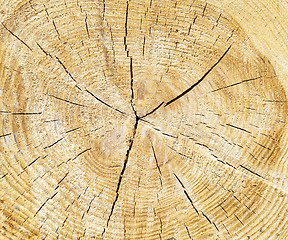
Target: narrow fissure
column 200, row 80
column 137, row 118
column 122, row 172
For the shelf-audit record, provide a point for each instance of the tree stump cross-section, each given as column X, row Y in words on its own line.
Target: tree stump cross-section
column 143, row 119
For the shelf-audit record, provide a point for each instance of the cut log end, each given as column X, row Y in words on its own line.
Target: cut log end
column 139, row 120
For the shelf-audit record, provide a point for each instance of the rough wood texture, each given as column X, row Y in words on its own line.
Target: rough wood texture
column 143, row 119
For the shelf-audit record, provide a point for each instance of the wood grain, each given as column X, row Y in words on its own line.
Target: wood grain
column 143, row 120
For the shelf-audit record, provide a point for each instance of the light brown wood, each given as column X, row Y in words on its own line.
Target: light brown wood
column 143, row 119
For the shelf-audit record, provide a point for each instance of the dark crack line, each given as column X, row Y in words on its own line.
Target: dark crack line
column 154, row 110
column 58, row 34
column 188, row 231
column 62, row 179
column 206, row 217
column 242, row 129
column 6, row 174
column 275, row 101
column 62, row 64
column 122, row 173
column 26, row 113
column 200, row 80
column 126, row 29
column 4, row 135
column 78, row 155
column 193, row 206
column 156, row 160
column 17, row 37
column 186, row 194
column 106, row 104
column 86, row 25
column 204, row 10
column 50, row 198
column 134, row 129
column 42, row 49
column 239, row 220
column 31, row 163
column 226, row 229
column 181, row 154
column 131, row 86
column 67, row 101
column 143, row 49
column 234, row 84
column 247, row 169
column 54, row 143
column 65, row 68
column 263, row 146
column 72, row 130
column 216, row 226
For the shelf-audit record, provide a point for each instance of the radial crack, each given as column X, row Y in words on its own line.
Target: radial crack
column 17, row 37
column 131, row 86
column 50, row 198
column 200, row 80
column 156, row 160
column 67, row 101
column 4, row 135
column 126, row 29
column 154, row 110
column 247, row 169
column 106, row 104
column 58, row 34
column 234, row 84
column 186, row 194
column 133, row 135
column 242, row 129
column 122, row 173
column 66, row 70
column 86, row 25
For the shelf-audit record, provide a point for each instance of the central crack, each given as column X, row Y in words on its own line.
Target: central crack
column 123, row 170
column 137, row 118
column 131, row 141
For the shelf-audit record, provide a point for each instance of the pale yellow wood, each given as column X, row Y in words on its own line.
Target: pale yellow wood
column 143, row 119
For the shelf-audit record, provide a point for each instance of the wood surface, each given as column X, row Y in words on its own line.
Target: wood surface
column 143, row 119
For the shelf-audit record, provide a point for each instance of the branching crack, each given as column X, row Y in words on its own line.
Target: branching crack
column 200, row 80
column 134, row 129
